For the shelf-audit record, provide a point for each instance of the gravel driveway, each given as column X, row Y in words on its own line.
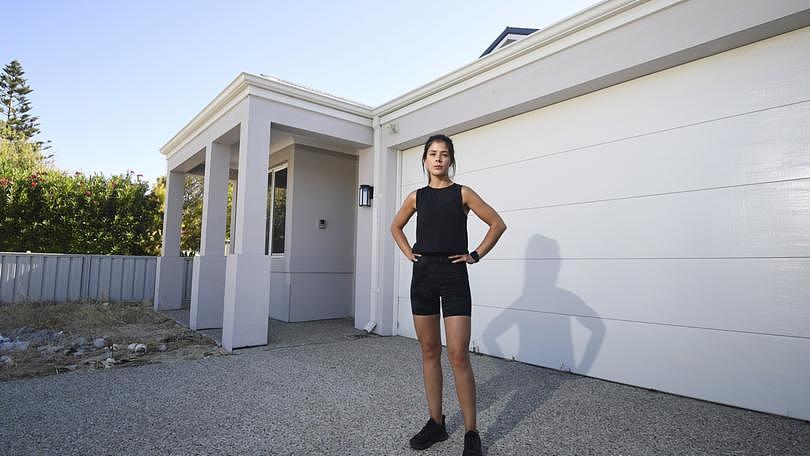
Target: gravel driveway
column 324, row 388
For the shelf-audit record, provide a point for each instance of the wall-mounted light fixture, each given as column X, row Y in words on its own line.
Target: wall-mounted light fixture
column 366, row 195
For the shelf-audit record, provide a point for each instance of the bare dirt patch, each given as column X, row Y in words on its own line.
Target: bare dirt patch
column 38, row 339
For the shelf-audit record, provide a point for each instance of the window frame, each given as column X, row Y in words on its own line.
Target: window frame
column 268, row 239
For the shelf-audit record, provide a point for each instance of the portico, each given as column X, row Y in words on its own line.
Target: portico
column 254, row 123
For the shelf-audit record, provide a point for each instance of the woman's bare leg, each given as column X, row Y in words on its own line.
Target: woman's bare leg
column 429, row 335
column 457, row 330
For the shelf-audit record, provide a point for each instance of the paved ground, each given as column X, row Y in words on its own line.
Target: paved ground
column 322, row 388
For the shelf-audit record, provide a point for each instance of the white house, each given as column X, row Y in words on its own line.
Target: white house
column 651, row 158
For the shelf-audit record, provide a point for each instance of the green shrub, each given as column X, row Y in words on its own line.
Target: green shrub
column 43, row 209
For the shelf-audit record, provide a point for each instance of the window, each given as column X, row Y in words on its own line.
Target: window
column 276, row 210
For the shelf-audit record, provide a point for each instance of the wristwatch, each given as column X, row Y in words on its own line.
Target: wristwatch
column 475, row 256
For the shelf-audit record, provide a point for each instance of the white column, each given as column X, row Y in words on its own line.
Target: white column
column 382, row 250
column 208, row 278
column 362, row 266
column 169, row 274
column 247, row 277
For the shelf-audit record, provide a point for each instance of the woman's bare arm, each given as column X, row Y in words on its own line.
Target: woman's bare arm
column 400, row 220
column 486, row 213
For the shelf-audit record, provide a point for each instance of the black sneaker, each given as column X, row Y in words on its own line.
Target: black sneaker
column 432, row 432
column 472, row 444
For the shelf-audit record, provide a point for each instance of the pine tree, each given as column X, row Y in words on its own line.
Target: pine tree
column 15, row 106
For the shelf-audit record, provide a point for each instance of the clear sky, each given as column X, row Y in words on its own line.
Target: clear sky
column 113, row 81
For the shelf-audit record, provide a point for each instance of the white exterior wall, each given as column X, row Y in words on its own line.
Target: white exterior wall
column 322, row 260
column 314, row 279
column 658, row 230
column 362, row 296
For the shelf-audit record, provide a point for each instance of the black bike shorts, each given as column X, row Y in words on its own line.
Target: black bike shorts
column 435, row 277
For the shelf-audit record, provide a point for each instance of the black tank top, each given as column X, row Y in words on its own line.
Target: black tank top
column 441, row 224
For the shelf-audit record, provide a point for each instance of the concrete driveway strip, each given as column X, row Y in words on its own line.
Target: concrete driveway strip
column 353, row 395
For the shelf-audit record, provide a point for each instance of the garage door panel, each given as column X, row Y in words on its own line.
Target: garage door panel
column 753, row 371
column 405, row 190
column 404, row 267
column 751, row 295
column 412, row 166
column 749, row 221
column 768, row 146
column 404, row 320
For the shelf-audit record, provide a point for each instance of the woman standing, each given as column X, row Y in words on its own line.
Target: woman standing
column 440, row 259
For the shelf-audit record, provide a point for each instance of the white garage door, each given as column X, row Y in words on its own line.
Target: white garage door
column 659, row 230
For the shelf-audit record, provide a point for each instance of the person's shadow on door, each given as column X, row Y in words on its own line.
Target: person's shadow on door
column 542, row 316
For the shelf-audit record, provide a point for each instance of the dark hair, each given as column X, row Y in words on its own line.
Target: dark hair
column 449, row 142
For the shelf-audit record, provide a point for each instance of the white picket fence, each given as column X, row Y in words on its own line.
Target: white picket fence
column 67, row 277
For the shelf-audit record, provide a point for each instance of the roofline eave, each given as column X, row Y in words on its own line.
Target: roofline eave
column 244, row 81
